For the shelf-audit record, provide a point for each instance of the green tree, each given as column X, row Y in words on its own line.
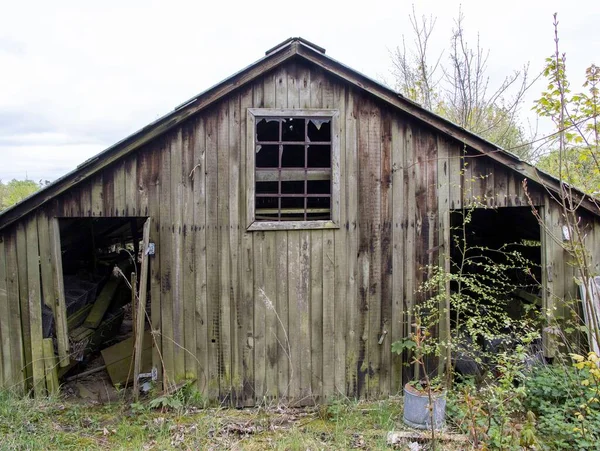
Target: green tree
column 574, row 154
column 15, row 191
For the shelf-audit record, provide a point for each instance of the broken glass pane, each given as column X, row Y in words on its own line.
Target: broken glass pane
column 319, row 130
column 267, row 129
column 267, row 156
column 292, row 129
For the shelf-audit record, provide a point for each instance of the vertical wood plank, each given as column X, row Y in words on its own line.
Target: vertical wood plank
column 331, row 326
column 176, row 192
column 283, row 339
column 24, row 300
column 269, row 297
column 144, row 182
column 165, row 254
column 235, row 264
column 294, row 285
column 260, row 307
column 352, row 310
column 85, row 191
column 140, row 314
column 153, row 190
column 334, row 312
column 201, row 316
column 373, row 210
column 275, row 92
column 384, row 342
column 443, row 188
column 119, row 201
column 303, row 312
column 48, row 291
column 14, row 311
column 60, row 308
column 366, row 211
column 50, row 367
column 35, row 307
column 246, row 307
column 97, row 195
column 455, row 171
column 108, row 192
column 131, row 186
column 398, row 330
column 212, row 252
column 6, row 360
column 223, row 243
column 409, row 212
column 316, row 301
column 189, row 250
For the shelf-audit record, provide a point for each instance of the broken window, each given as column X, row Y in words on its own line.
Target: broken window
column 293, row 167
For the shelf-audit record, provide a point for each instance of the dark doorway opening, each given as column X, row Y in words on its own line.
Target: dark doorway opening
column 100, row 259
column 499, row 249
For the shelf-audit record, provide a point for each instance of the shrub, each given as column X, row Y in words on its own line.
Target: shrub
column 565, row 400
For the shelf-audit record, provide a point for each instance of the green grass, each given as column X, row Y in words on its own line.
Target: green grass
column 59, row 424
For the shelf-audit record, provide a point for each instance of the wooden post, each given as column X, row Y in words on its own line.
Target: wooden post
column 141, row 312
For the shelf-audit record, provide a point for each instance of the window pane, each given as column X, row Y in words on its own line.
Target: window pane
column 267, row 208
column 267, row 187
column 319, row 187
column 318, row 208
column 319, row 156
column 319, row 203
column 292, row 157
column 292, row 187
column 267, row 156
column 293, row 129
column 292, row 203
column 319, row 130
column 267, row 130
column 293, row 168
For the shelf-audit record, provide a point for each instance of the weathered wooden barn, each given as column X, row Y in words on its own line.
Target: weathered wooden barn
column 294, row 207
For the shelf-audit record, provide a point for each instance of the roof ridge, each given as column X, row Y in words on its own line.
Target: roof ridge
column 297, row 39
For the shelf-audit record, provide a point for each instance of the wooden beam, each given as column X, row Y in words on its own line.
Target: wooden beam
column 141, row 310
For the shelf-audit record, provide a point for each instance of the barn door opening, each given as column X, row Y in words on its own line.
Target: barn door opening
column 499, row 252
column 104, row 260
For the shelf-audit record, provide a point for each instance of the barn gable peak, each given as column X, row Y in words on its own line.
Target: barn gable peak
column 296, row 40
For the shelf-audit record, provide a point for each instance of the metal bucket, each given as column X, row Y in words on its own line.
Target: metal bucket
column 416, row 408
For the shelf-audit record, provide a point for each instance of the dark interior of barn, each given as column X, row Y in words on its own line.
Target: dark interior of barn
column 101, row 261
column 506, row 240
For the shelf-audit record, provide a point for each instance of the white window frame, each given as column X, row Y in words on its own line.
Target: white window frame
column 251, row 222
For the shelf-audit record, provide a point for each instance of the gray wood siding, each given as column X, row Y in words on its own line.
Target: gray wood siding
column 301, row 314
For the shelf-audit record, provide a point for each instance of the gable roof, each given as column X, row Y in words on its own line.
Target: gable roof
column 291, row 48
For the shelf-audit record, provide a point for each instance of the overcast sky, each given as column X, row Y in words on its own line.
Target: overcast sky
column 78, row 76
